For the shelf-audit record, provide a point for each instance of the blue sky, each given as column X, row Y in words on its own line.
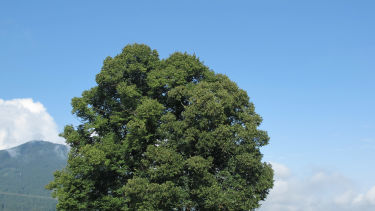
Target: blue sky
column 308, row 66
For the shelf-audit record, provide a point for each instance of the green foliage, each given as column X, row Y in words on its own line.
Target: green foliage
column 163, row 135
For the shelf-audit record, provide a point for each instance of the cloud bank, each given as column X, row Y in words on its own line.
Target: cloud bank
column 23, row 120
column 321, row 190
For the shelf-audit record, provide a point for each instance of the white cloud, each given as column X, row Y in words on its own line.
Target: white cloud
column 321, row 190
column 23, row 120
column 13, row 152
column 281, row 171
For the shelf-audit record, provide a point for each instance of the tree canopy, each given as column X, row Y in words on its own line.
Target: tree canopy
column 163, row 134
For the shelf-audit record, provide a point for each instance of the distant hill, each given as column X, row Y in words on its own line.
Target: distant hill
column 24, row 172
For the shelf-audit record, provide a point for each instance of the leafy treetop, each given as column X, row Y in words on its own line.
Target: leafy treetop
column 163, row 135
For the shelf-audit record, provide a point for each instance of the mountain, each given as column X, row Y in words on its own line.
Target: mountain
column 24, row 172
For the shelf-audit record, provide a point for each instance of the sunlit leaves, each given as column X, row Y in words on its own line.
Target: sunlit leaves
column 163, row 135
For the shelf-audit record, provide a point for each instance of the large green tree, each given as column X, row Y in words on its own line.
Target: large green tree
column 163, row 135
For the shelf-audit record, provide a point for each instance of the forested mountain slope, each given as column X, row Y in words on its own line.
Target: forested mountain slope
column 24, row 172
